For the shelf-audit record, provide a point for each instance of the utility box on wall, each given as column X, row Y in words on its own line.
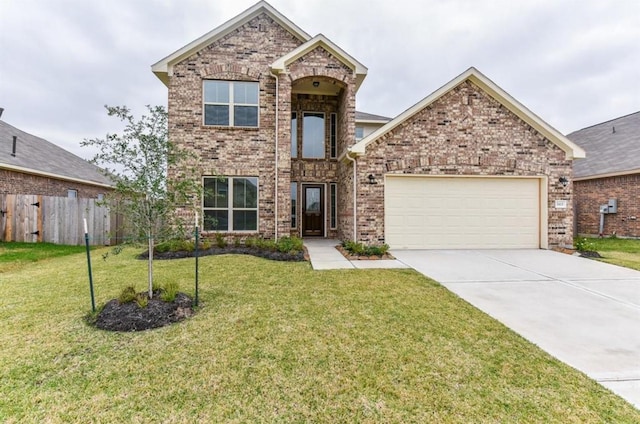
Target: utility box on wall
column 613, row 205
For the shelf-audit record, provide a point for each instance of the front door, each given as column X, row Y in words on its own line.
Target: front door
column 313, row 211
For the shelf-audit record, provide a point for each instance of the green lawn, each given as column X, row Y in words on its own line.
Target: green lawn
column 617, row 251
column 14, row 255
column 275, row 342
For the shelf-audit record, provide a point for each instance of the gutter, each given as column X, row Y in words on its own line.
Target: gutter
column 276, row 76
column 355, row 214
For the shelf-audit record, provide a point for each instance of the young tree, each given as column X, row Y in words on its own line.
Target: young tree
column 138, row 161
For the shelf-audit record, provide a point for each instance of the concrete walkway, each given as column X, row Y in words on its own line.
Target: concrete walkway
column 584, row 312
column 324, row 255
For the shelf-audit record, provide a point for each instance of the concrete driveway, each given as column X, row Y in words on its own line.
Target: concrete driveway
column 583, row 312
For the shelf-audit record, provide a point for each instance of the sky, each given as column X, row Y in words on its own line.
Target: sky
column 573, row 63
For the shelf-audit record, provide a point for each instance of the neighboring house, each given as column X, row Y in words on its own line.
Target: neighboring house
column 271, row 111
column 33, row 165
column 366, row 123
column 610, row 171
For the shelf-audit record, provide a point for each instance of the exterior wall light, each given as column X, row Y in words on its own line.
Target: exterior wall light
column 564, row 181
column 316, row 84
column 372, row 179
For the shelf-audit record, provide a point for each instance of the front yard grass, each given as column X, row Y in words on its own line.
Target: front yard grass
column 14, row 255
column 618, row 251
column 275, row 342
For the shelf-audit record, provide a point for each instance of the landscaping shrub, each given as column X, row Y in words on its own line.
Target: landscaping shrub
column 289, row 245
column 169, row 292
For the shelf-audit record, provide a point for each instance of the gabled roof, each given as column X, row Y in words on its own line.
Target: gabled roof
column 370, row 118
column 476, row 77
column 164, row 68
column 613, row 148
column 35, row 155
column 321, row 41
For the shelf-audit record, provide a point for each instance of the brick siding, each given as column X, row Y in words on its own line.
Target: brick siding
column 12, row 182
column 590, row 194
column 465, row 132
column 245, row 54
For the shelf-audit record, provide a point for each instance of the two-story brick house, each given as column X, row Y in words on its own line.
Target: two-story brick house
column 270, row 114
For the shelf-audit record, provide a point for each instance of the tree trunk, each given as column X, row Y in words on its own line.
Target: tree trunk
column 150, row 266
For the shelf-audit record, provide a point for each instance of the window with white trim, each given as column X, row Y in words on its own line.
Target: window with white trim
column 359, row 133
column 294, row 205
column 231, row 103
column 333, row 135
column 294, row 135
column 333, row 202
column 313, row 135
column 230, row 204
column 72, row 193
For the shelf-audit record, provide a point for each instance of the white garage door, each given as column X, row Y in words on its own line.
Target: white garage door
column 461, row 213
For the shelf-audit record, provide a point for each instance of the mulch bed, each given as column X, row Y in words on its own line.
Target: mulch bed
column 116, row 316
column 239, row 250
column 589, row 254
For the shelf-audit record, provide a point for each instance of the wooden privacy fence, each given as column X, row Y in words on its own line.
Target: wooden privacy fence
column 31, row 218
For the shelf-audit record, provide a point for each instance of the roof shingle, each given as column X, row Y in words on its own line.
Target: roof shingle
column 612, row 147
column 41, row 156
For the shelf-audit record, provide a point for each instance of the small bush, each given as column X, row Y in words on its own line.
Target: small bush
column 359, row 249
column 169, row 292
column 266, row 244
column 175, row 245
column 584, row 245
column 237, row 241
column 289, row 245
column 220, row 241
column 142, row 300
column 127, row 295
column 251, row 242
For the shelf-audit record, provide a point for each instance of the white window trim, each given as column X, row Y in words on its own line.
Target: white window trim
column 231, row 104
column 333, row 209
column 324, row 141
column 333, row 138
column 294, row 217
column 231, row 208
column 296, row 137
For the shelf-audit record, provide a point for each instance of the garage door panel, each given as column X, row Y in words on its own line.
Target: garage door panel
column 428, row 212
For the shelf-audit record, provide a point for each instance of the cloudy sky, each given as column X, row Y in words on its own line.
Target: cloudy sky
column 573, row 63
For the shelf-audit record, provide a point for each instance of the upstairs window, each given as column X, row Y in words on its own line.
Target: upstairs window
column 231, row 103
column 313, row 135
column 359, row 133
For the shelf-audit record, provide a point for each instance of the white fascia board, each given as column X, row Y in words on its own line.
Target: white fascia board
column 572, row 150
column 164, row 68
column 321, row 41
column 30, row 171
column 372, row 121
column 607, row 175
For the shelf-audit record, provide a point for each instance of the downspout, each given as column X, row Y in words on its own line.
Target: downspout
column 355, row 215
column 276, row 154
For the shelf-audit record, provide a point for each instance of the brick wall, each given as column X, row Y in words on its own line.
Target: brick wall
column 12, row 182
column 245, row 54
column 590, row 194
column 465, row 132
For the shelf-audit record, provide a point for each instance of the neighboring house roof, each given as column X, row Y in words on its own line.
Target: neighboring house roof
column 572, row 150
column 370, row 118
column 164, row 68
column 321, row 41
column 613, row 148
column 35, row 155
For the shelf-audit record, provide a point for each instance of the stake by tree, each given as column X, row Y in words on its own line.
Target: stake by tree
column 138, row 160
